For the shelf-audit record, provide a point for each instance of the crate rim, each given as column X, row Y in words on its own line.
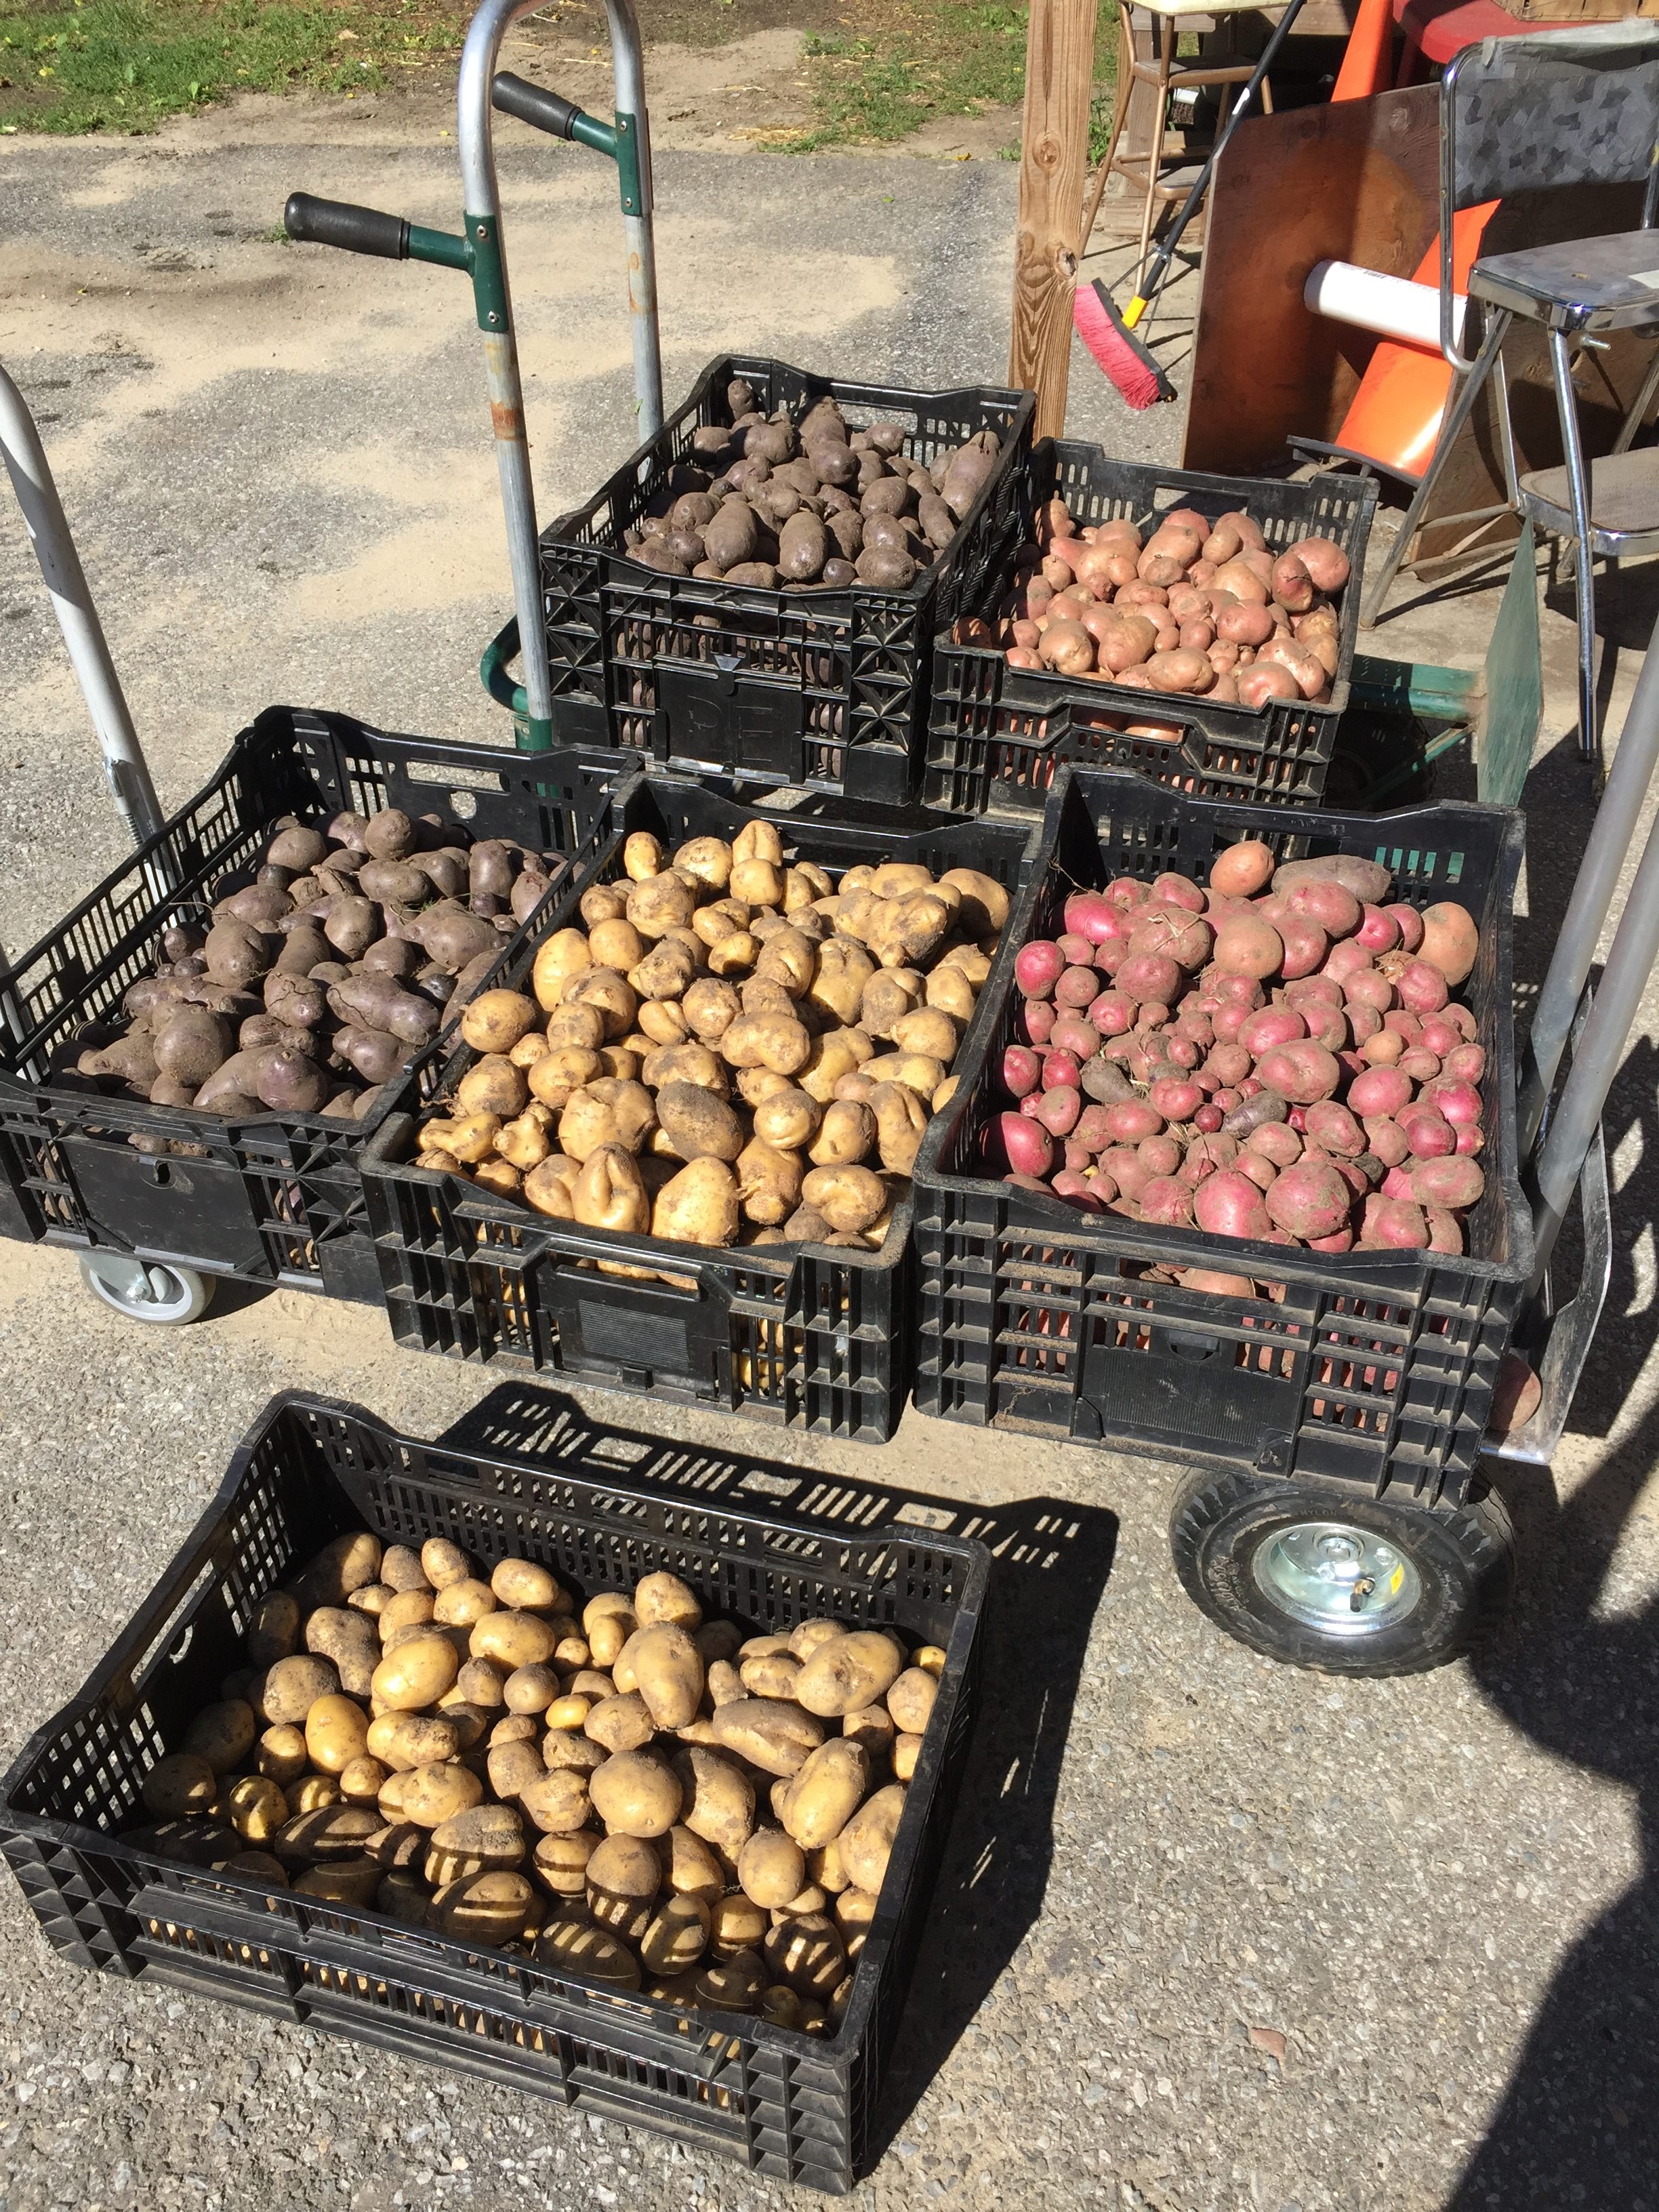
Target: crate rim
column 1277, row 1261
column 199, row 1550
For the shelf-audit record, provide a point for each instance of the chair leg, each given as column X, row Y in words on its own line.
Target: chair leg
column 1125, row 85
column 1450, row 429
column 1638, row 406
column 1572, row 448
column 1166, row 46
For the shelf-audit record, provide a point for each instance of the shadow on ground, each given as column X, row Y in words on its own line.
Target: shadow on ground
column 1579, row 2125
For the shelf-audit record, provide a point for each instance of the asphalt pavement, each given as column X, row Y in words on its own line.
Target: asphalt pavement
column 1213, row 1936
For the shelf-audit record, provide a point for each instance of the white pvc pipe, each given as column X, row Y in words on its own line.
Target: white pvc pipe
column 1391, row 306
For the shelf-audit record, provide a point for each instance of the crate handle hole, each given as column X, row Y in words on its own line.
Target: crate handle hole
column 161, row 1173
column 1194, row 1348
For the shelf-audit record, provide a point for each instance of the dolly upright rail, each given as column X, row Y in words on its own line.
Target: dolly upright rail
column 71, row 600
column 479, row 251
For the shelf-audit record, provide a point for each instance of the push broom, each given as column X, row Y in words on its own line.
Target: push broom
column 1109, row 334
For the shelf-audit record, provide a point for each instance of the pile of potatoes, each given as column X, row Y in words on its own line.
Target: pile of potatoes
column 630, row 1793
column 1200, row 607
column 733, row 1050
column 320, row 971
column 792, row 506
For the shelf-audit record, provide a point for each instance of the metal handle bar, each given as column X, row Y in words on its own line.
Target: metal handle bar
column 71, row 600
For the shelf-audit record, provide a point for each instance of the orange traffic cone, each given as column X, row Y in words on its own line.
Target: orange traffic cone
column 1394, row 417
column 1367, row 66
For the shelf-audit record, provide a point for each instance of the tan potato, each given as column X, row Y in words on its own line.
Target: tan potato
column 276, row 1631
column 949, row 989
column 771, row 1674
column 838, row 1053
column 837, row 987
column 611, row 995
column 527, row 1051
column 768, row 1183
column 983, row 910
column 872, row 1727
column 788, row 1120
column 433, row 1794
column 255, row 1807
column 643, row 856
column 755, row 1085
column 736, row 1924
column 663, row 975
column 776, row 1041
column 928, row 1031
column 628, row 1868
column 732, row 1984
column 345, row 1564
column 486, row 1908
column 688, row 1060
column 888, row 996
column 663, row 1598
column 288, row 1691
column 354, row 1882
column 523, row 1586
column 734, row 954
column 458, row 1605
column 559, row 1802
column 407, row 1609
column 480, row 1682
column 573, row 1748
column 281, row 1754
column 849, row 1199
column 854, row 1911
column 558, row 958
column 690, row 1866
column 678, row 1935
column 669, row 1670
column 312, row 1793
column 806, row 1952
column 901, row 1119
column 906, row 1751
column 760, row 883
column 561, row 1863
column 790, row 958
column 635, row 1794
column 568, row 1711
column 848, row 1672
column 827, row 1792
column 846, row 1136
column 495, row 1020
column 416, row 1673
column 776, row 1736
column 908, row 931
column 222, row 1734
column 659, row 903
column 443, row 1563
column 512, row 1639
column 910, row 1699
column 529, row 1689
column 561, row 1070
column 401, row 1569
column 512, row 1766
column 329, row 1831
column 665, row 1026
column 480, row 1840
column 547, row 1187
column 699, row 1205
column 921, row 1073
column 402, row 1741
column 697, row 1122
column 257, row 1866
column 608, row 1621
column 770, row 1868
column 718, row 1801
column 621, row 1723
column 707, row 860
column 471, row 1723
column 361, row 1781
column 825, row 1868
column 588, row 1954
column 337, row 1733
column 615, row 944
column 804, row 1637
column 867, row 1841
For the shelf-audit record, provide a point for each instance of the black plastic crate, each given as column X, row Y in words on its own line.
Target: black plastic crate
column 600, row 1507
column 813, row 1336
column 1373, row 1368
column 996, row 734
column 277, row 1198
column 823, row 689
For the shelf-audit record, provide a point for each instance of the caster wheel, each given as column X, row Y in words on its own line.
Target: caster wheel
column 147, row 1291
column 1344, row 1584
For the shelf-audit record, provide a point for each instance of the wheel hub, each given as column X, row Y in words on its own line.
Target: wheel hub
column 1339, row 1578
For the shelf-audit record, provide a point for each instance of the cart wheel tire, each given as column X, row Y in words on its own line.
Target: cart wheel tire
column 1278, row 1564
column 177, row 1295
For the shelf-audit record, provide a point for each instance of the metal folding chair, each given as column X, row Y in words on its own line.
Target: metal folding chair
column 1566, row 107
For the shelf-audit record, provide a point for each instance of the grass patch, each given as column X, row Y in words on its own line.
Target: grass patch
column 126, row 65
column 957, row 58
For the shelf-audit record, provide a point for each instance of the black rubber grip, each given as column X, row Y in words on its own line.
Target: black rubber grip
column 354, row 230
column 543, row 111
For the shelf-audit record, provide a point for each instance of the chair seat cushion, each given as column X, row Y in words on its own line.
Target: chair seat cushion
column 1623, row 494
column 1590, row 283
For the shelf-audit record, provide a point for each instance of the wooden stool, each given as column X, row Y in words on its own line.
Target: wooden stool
column 1165, row 77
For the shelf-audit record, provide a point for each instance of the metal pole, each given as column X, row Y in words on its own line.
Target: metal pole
column 1610, row 837
column 71, row 600
column 1596, row 1061
column 628, row 65
column 483, row 205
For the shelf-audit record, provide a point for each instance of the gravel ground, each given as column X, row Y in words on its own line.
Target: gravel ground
column 1211, row 1934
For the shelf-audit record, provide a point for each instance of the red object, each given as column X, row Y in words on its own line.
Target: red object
column 1122, row 356
column 1440, row 29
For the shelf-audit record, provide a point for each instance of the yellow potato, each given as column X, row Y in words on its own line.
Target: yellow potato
column 855, row 1911
column 732, row 1984
column 528, row 1689
column 313, row 1793
column 459, row 1604
column 354, row 1882
column 288, row 1691
column 635, row 1794
column 281, row 1754
column 328, row 1832
column 900, row 1121
column 718, row 1799
column 699, row 1205
column 770, row 1868
column 494, row 1021
column 620, row 1723
column 848, row 1672
column 336, row 1732
column 433, row 1794
column 402, row 1741
column 561, row 1863
column 559, row 1802
column 343, row 1565
column 846, row 1136
column 416, row 1673
column 362, row 1781
column 676, row 1936
column 872, row 1727
column 827, row 1792
column 257, row 1808
column 770, row 1676
column 275, row 1630
column 867, row 1841
column 910, row 1699
column 768, row 1733
column 523, row 1586
column 587, row 1954
column 486, row 1908
column 512, row 1766
column 559, row 957
column 481, row 1839
column 806, row 1952
column 222, row 1734
column 512, row 1639
column 849, row 1199
column 407, row 1609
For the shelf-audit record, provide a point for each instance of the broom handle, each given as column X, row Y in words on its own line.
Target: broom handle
column 1161, row 260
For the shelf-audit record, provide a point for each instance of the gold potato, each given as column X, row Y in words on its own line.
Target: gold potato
column 561, row 1863
column 736, row 1924
column 621, row 1723
column 275, row 1630
column 288, row 1691
column 805, row 1951
column 558, row 958
column 494, row 1021
column 910, row 1699
column 512, row 1639
column 867, row 1841
column 523, row 1586
column 676, row 1936
column 662, row 1599
column 771, row 1868
column 770, row 1734
column 406, row 1609
column 336, row 1732
column 559, row 1802
column 416, row 1673
column 718, row 1799
column 635, row 1794
column 669, row 1670
column 848, row 1672
column 827, row 1792
column 222, row 1734
column 403, row 1741
column 181, row 1782
column 698, row 1206
column 432, row 1793
column 281, row 1754
column 846, row 1136
column 580, row 1950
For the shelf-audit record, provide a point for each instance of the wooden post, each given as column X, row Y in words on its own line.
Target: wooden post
column 1059, row 65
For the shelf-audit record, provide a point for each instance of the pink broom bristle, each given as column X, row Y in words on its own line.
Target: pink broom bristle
column 1121, row 355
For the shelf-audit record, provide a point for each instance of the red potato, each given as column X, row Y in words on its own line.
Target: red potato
column 1276, row 1141
column 1150, row 978
column 1428, row 1135
column 1091, row 1132
column 1128, row 892
column 1171, row 890
column 1072, row 1034
column 1386, row 1140
column 1409, row 923
column 1228, row 1203
column 1310, row 1200
column 1301, row 1073
column 1079, row 950
column 1380, row 1090
column 1038, row 967
column 1465, row 1063
column 1021, row 656
column 1091, row 915
column 1038, row 1017
column 1324, row 559
column 1159, row 1156
column 1176, row 1098
column 1267, row 681
column 1058, row 1108
column 1438, row 1035
column 1292, row 585
column 1301, row 989
column 1516, row 1397
column 1332, row 905
column 1229, row 1063
column 1333, row 1126
column 1076, row 1190
column 1422, row 988
column 1273, row 1026
column 1258, row 1168
column 1128, row 1171
column 1245, row 584
column 1132, row 1119
column 1363, row 987
column 1459, row 1103
column 1305, row 946
column 1306, row 670
column 1068, row 648
column 1021, row 1069
column 1077, row 987
column 1113, row 1013
column 1060, row 1068
column 1393, row 1225
column 1025, row 1143
column 1168, row 1200
column 1364, row 1022
column 1454, row 1183
column 1346, row 960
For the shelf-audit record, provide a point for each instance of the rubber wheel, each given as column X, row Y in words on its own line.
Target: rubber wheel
column 177, row 1295
column 1345, row 1584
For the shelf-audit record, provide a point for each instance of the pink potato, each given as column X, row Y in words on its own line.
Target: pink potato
column 1229, row 1063
column 1159, row 1156
column 1429, row 1135
column 1026, row 1145
column 1364, row 1022
column 1246, row 946
column 1269, row 1026
column 1079, row 951
column 1450, row 940
column 1379, row 1090
column 1422, row 988
column 1459, row 1102
column 1410, row 925
column 1454, row 1183
column 1465, row 1063
column 1208, row 1153
column 1113, row 1013
column 1397, row 1183
column 1292, row 585
column 1072, row 1033
column 1228, row 1203
column 1305, row 946
column 1242, row 869
column 1421, row 1065
column 1184, row 937
column 1310, row 1200
column 1301, row 989
column 1516, row 1397
column 1370, row 988
column 1038, row 967
column 1091, row 915
column 1332, row 905
column 1261, row 1170
column 1076, row 987
column 1061, row 1069
column 1171, row 890
column 1091, row 1131
column 1323, row 559
column 1445, row 1229
column 1213, row 1284
column 1393, row 1225
column 1132, row 1118
column 1347, row 960
column 1168, row 1200
column 1076, row 1190
column 1039, row 1020
column 1130, row 1173
column 1276, row 1141
column 1379, row 930
column 1246, row 583
column 1301, row 1073
column 1266, row 681
column 1176, row 1098
column 1021, row 656
column 1438, row 1035
column 1021, row 1070
column 1342, row 1241
column 1150, row 978
column 1333, row 1129
column 1385, row 1139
